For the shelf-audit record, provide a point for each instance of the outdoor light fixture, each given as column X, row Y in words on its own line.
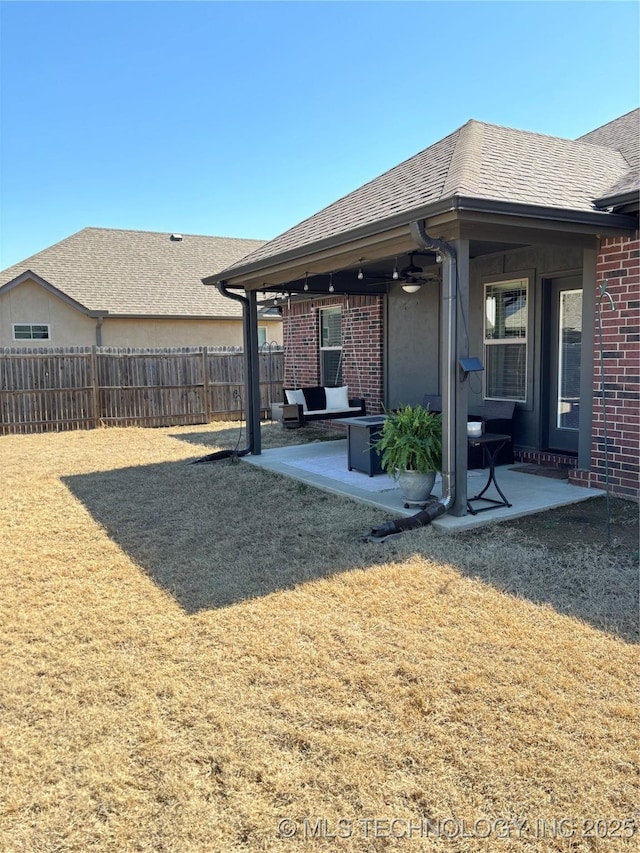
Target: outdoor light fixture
column 360, row 274
column 306, row 281
column 331, row 287
column 411, row 288
column 395, row 276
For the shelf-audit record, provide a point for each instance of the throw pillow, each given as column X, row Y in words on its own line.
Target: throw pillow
column 295, row 397
column 337, row 398
column 315, row 397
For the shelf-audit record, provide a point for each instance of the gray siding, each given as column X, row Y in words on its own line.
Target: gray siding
column 413, row 332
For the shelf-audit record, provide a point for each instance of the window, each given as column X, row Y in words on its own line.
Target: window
column 31, row 332
column 505, row 340
column 331, row 346
column 262, row 335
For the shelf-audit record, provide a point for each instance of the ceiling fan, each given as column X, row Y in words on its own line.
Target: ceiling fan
column 411, row 276
column 412, row 271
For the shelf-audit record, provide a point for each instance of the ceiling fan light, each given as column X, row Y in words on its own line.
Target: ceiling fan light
column 411, row 288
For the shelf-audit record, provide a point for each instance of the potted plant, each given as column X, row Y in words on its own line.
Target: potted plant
column 411, row 450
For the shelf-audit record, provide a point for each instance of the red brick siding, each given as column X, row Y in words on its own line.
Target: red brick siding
column 362, row 345
column 619, row 265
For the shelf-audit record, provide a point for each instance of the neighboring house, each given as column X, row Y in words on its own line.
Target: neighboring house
column 546, row 269
column 120, row 288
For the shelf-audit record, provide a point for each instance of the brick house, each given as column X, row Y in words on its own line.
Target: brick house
column 538, row 277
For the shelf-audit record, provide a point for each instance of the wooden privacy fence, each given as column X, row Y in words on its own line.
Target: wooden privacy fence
column 81, row 388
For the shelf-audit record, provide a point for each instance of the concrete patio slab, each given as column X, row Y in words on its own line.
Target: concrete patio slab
column 323, row 464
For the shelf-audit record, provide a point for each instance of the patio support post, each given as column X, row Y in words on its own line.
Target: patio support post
column 459, row 348
column 450, row 379
column 252, row 374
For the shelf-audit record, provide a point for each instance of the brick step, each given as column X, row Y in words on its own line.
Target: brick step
column 546, row 457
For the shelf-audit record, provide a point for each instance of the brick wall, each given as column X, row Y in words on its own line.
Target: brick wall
column 619, row 265
column 362, row 345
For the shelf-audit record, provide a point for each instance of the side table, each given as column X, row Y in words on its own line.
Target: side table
column 491, row 443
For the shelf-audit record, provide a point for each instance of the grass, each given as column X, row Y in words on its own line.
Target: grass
column 191, row 654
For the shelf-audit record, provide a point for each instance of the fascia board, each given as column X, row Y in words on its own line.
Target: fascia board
column 585, row 221
column 340, row 256
column 227, row 317
column 595, row 220
column 399, row 221
column 630, row 198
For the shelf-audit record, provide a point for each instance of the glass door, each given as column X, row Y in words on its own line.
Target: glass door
column 564, row 360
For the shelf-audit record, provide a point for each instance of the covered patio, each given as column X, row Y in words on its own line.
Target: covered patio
column 324, row 466
column 457, row 254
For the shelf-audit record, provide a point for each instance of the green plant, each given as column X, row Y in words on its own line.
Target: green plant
column 411, row 440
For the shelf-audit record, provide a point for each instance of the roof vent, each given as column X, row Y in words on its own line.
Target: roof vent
column 176, row 238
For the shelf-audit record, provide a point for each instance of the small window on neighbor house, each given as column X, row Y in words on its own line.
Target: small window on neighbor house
column 31, row 332
column 331, row 346
column 505, row 340
column 262, row 335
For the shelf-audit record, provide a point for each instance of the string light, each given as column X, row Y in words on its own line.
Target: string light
column 331, row 287
column 395, row 276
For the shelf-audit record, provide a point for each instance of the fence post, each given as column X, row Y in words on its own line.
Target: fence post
column 94, row 387
column 205, row 384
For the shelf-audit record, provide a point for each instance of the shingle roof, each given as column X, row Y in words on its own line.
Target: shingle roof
column 138, row 272
column 623, row 134
column 478, row 160
column 627, row 185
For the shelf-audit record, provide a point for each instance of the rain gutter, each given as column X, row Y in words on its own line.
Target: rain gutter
column 596, row 221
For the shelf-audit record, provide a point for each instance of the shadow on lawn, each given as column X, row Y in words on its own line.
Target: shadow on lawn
column 218, row 534
column 214, row 535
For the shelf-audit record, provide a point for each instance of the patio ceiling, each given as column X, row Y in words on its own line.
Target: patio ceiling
column 375, row 276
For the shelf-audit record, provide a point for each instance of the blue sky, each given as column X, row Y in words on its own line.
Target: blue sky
column 241, row 119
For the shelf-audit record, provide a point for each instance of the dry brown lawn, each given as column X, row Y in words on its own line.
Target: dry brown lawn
column 191, row 654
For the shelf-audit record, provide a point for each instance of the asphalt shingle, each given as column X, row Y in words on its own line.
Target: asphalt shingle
column 478, row 160
column 623, row 134
column 138, row 272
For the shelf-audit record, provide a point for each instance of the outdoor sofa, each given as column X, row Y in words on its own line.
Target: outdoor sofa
column 320, row 403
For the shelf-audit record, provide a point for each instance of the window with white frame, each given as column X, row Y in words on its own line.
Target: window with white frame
column 31, row 332
column 262, row 335
column 505, row 340
column 331, row 346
